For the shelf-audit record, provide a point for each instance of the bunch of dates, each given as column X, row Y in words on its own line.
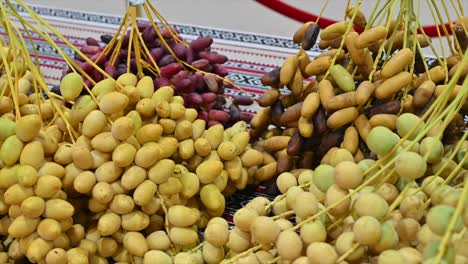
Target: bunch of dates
column 192, row 69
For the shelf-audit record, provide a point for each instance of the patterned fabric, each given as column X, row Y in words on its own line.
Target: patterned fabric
column 184, row 29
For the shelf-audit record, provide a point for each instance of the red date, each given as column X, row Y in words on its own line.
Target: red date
column 213, row 58
column 213, row 123
column 201, row 43
column 203, row 91
column 87, row 83
column 193, row 98
column 167, row 33
column 190, row 55
column 179, row 76
column 183, row 85
column 123, row 54
column 125, row 40
column 111, row 70
column 202, row 63
column 149, row 34
column 243, row 100
column 98, row 59
column 171, row 69
column 90, row 50
column 160, row 82
column 86, row 67
column 180, row 51
column 210, row 106
column 121, row 69
column 166, row 60
column 96, row 76
column 208, row 97
column 218, row 115
column 203, row 116
column 156, row 54
column 199, row 82
column 143, row 25
column 194, row 83
column 133, row 64
column 211, row 82
column 221, row 70
column 92, row 42
column 245, row 116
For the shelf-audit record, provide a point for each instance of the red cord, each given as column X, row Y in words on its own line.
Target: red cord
column 302, row 16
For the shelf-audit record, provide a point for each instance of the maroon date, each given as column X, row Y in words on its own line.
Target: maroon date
column 201, row 43
column 213, row 58
column 243, row 100
column 92, row 42
column 171, row 69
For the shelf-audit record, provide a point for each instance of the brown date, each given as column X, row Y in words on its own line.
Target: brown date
column 390, row 107
column 310, row 36
column 320, row 122
column 294, row 144
column 269, row 97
